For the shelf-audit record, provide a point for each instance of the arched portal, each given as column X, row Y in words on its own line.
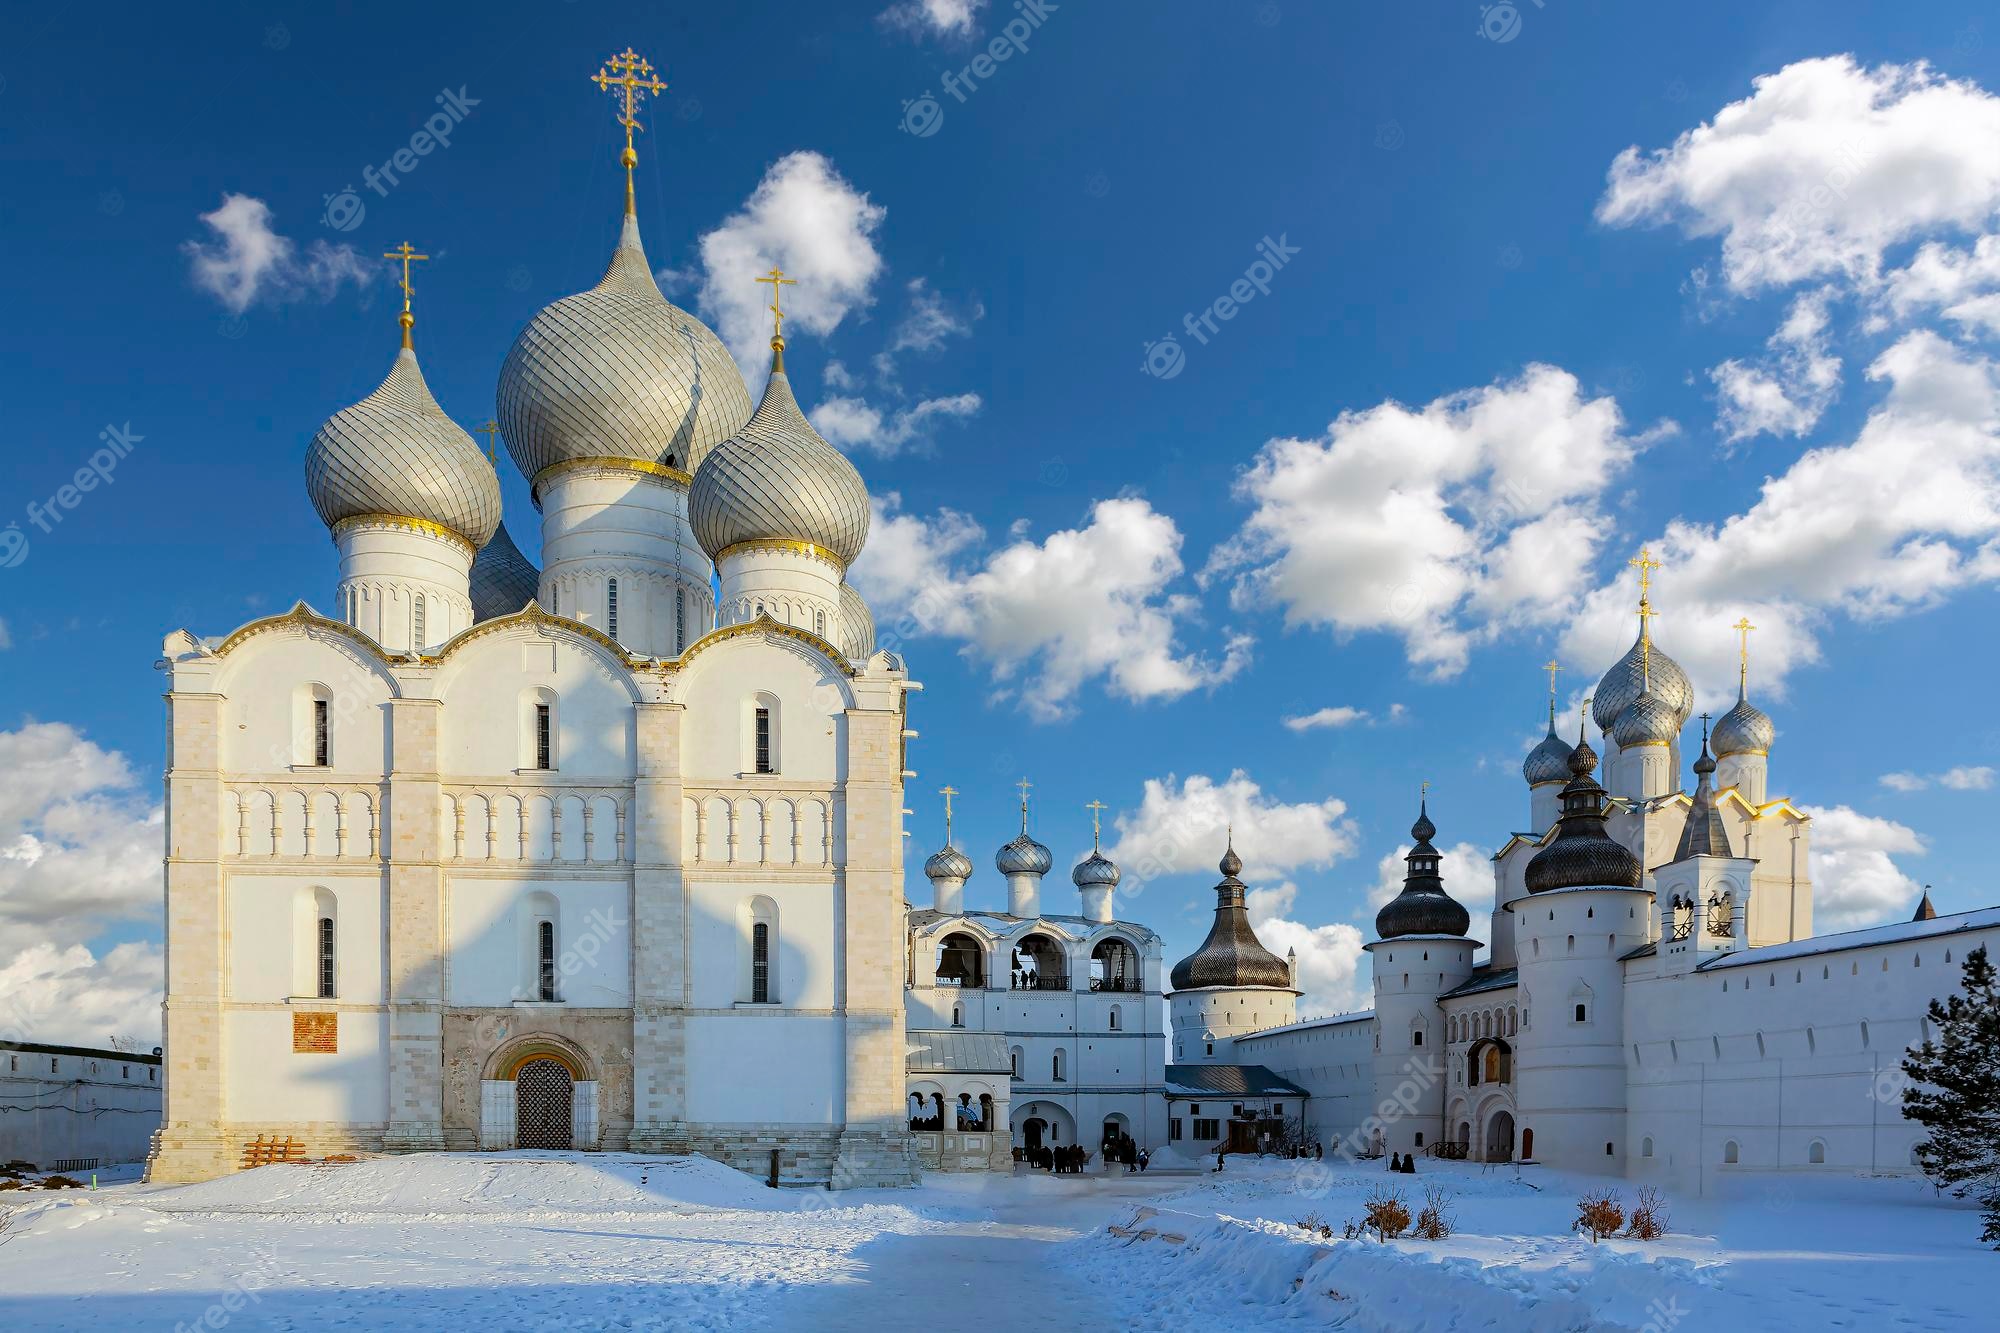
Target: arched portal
column 544, row 1104
column 1500, row 1137
column 1043, row 1125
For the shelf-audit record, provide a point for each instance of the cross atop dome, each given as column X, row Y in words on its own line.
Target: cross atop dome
column 629, row 77
column 406, row 253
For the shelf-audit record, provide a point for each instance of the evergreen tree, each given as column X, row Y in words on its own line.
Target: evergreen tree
column 1955, row 1092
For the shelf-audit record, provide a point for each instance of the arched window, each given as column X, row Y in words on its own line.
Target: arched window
column 316, row 935
column 763, row 734
column 418, row 628
column 611, row 608
column 1113, row 1018
column 1816, row 1153
column 312, row 727
column 961, row 961
column 1058, row 1065
column 958, row 1015
column 760, row 938
column 1114, row 966
column 324, row 941
column 541, row 731
column 1731, row 1154
column 541, row 945
column 680, row 621
column 1014, row 1062
column 1646, row 1147
column 819, row 623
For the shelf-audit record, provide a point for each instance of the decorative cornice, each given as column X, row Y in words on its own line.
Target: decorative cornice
column 673, row 476
column 303, row 617
column 532, row 616
column 786, row 546
column 763, row 624
column 423, row 525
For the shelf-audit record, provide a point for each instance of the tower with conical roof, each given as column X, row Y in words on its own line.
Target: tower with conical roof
column 609, row 401
column 1702, row 895
column 1232, row 984
column 1421, row 952
column 409, row 499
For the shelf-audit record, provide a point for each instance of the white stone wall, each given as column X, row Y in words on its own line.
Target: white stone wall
column 77, row 1106
column 1333, row 1059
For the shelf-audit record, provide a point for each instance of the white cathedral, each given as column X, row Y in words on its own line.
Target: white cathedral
column 609, row 855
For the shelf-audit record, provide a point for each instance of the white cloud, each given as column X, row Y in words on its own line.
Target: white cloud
column 1965, row 777
column 807, row 219
column 930, row 322
column 1332, row 976
column 6, row 638
column 1962, row 284
column 248, row 262
column 939, row 18
column 79, row 850
column 1335, row 716
column 1183, row 828
column 1477, row 512
column 1855, row 881
column 1083, row 604
column 1785, row 393
column 1824, row 166
column 837, row 376
column 852, row 424
column 1890, row 523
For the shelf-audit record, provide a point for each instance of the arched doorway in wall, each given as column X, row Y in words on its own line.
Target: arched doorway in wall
column 544, row 1104
column 1527, row 1145
column 1041, row 1124
column 1500, row 1137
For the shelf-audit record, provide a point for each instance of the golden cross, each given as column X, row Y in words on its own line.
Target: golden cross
column 1645, row 564
column 1552, row 667
column 1024, row 784
column 491, row 430
column 1097, row 809
column 1743, row 628
column 778, row 282
column 408, row 254
column 947, row 793
column 621, row 76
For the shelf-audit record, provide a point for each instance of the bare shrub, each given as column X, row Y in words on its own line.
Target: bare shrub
column 61, row 1183
column 1649, row 1215
column 1314, row 1225
column 1354, row 1231
column 1434, row 1221
column 1388, row 1215
column 1598, row 1214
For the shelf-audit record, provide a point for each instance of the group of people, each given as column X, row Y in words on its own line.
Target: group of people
column 1058, row 1160
column 1126, row 1151
column 1405, row 1163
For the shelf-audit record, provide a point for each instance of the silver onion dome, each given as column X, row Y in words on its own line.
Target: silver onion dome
column 503, row 580
column 1095, row 871
column 1024, row 856
column 777, row 480
column 1548, row 761
column 857, row 626
column 619, row 372
column 1744, row 729
column 948, row 863
column 1647, row 720
column 1642, row 667
column 396, row 453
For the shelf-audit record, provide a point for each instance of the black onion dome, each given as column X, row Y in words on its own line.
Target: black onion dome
column 1582, row 852
column 1423, row 907
column 1232, row 955
column 1548, row 761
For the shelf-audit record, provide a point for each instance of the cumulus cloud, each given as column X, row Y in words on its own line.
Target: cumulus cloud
column 79, row 850
column 809, row 220
column 1332, row 976
column 246, row 261
column 1893, row 521
column 1786, row 392
column 852, row 424
column 1966, row 777
column 1180, row 827
column 1962, row 284
column 1822, row 168
column 936, row 18
column 1340, row 715
column 1441, row 524
column 1087, row 603
column 1855, row 880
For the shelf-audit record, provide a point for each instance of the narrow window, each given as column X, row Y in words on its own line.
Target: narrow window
column 546, row 938
column 1579, row 1013
column 1417, row 1038
column 760, row 963
column 1420, row 1138
column 611, row 609
column 542, row 748
column 1114, row 1018
column 555, row 601
column 322, row 733
column 419, row 618
column 764, row 740
column 326, row 958
column 680, row 620
column 819, row 623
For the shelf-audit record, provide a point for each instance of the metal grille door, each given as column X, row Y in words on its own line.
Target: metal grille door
column 543, row 1097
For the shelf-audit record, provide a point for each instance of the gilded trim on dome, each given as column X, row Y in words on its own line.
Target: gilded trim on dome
column 422, row 525
column 783, row 545
column 661, row 471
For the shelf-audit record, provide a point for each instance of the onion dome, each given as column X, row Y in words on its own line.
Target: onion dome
column 1582, row 853
column 619, row 373
column 948, row 863
column 1423, row 907
column 1643, row 667
column 1548, row 761
column 857, row 626
column 1704, row 834
column 1647, row 720
column 1232, row 955
column 1096, row 871
column 396, row 454
column 1744, row 729
column 1024, row 856
column 777, row 480
column 503, row 580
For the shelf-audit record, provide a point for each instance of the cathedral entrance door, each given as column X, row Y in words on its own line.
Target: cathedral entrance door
column 1031, row 1132
column 1500, row 1137
column 544, row 1105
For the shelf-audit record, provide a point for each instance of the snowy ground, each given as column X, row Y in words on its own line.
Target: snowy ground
column 494, row 1242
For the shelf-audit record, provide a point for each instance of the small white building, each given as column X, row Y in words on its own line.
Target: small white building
column 76, row 1108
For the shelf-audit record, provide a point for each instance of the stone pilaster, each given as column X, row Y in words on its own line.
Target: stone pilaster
column 415, row 867
column 191, row 1144
column 659, row 937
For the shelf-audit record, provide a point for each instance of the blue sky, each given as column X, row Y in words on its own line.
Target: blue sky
column 1572, row 353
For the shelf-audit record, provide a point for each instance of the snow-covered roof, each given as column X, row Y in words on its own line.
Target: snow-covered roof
column 1485, row 979
column 1896, row 932
column 1228, row 1081
column 939, row 1052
